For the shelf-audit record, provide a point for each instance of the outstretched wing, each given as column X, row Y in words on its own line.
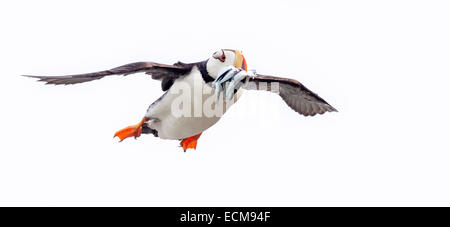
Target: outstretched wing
column 166, row 73
column 295, row 94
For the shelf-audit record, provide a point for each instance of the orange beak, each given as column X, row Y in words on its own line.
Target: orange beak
column 240, row 62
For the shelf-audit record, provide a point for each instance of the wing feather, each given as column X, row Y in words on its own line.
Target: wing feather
column 157, row 70
column 295, row 94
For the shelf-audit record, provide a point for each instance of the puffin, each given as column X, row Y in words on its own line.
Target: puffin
column 196, row 95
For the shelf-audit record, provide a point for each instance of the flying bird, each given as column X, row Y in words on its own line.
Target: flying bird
column 191, row 89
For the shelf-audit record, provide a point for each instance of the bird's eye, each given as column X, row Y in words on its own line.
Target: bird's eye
column 220, row 55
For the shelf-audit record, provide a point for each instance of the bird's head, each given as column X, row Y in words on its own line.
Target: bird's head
column 223, row 58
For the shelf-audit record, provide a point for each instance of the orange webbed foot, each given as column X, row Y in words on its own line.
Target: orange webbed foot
column 131, row 131
column 190, row 142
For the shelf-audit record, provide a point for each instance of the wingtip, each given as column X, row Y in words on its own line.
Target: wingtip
column 39, row 79
column 32, row 76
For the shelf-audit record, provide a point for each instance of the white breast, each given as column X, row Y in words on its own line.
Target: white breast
column 187, row 108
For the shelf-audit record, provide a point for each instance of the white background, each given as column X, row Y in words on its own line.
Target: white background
column 383, row 64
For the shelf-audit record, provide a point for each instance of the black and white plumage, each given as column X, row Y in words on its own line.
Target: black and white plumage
column 200, row 75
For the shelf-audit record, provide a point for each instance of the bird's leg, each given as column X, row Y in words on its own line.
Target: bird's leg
column 133, row 130
column 190, row 142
